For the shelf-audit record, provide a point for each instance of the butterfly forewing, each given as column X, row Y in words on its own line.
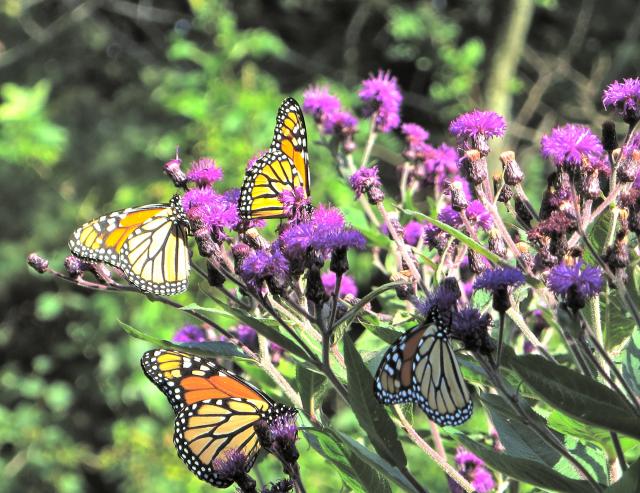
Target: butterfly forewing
column 284, row 167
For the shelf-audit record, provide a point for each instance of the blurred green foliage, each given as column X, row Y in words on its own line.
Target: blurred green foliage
column 96, row 99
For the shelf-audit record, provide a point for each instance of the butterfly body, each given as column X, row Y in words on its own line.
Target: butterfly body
column 216, row 411
column 421, row 367
column 284, row 167
column 148, row 243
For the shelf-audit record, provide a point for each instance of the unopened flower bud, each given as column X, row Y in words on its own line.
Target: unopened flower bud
column 339, row 261
column 476, row 262
column 474, row 166
column 506, row 194
column 174, row 171
column 37, row 263
column 522, row 211
column 513, row 175
column 628, row 166
column 617, row 255
column 315, row 289
column 214, row 276
column 206, row 246
column 609, row 137
column 256, row 240
column 240, row 251
column 73, row 265
column 459, row 200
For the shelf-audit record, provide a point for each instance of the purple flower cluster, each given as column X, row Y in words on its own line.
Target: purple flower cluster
column 382, row 98
column 261, row 265
column 327, row 111
column 212, row 210
column 190, row 333
column 576, row 282
column 294, row 203
column 571, row 145
column 476, row 213
column 347, row 284
column 415, row 137
column 624, row 97
column 324, row 232
column 413, row 232
column 440, row 163
column 472, row 328
column 499, row 278
column 474, row 469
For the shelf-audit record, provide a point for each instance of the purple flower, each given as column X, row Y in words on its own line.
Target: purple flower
column 341, row 123
column 439, row 163
column 382, row 98
column 472, row 328
column 320, row 102
column 413, row 232
column 210, row 208
column 570, row 144
column 473, row 469
column 294, row 202
column 476, row 213
column 204, row 172
column 624, row 97
column 364, row 179
column 190, row 333
column 347, row 284
column 37, row 263
column 276, row 351
column 283, row 429
column 414, row 133
column 231, row 465
column 444, row 298
column 499, row 278
column 261, row 266
column 575, row 282
column 247, row 335
column 477, row 123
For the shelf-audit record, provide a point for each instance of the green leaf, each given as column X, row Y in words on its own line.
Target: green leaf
column 209, row 349
column 592, row 458
column 516, row 435
column 569, row 426
column 308, row 382
column 630, row 480
column 617, row 322
column 525, row 470
column 574, row 394
column 371, row 415
column 385, row 331
column 631, row 362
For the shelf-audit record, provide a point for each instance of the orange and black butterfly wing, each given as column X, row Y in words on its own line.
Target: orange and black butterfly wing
column 263, row 183
column 148, row 243
column 394, row 382
column 290, row 138
column 216, row 410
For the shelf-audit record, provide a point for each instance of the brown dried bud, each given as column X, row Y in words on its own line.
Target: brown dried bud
column 609, row 137
column 174, row 171
column 617, row 255
column 256, row 240
column 476, row 262
column 206, row 245
column 628, row 166
column 513, row 174
column 459, row 200
column 496, row 243
column 474, row 166
column 375, row 195
column 590, row 184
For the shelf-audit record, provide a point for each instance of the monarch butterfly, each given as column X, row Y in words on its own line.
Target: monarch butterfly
column 148, row 243
column 421, row 367
column 285, row 166
column 216, row 411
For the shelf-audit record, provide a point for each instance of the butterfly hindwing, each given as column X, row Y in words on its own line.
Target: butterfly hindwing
column 148, row 243
column 421, row 367
column 284, row 167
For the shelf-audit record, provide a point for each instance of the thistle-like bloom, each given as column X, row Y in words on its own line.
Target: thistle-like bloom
column 575, row 283
column 190, row 333
column 366, row 181
column 415, row 137
column 262, row 266
column 413, row 232
column 476, row 213
column 499, row 278
column 472, row 328
column 444, row 298
column 210, row 209
column 341, row 123
column 624, row 97
column 294, row 203
column 204, row 172
column 347, row 284
column 475, row 124
column 570, row 145
column 474, row 469
column 283, row 432
column 498, row 281
column 233, row 466
column 382, row 96
column 318, row 101
column 37, row 263
column 440, row 163
column 75, row 266
column 325, row 232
